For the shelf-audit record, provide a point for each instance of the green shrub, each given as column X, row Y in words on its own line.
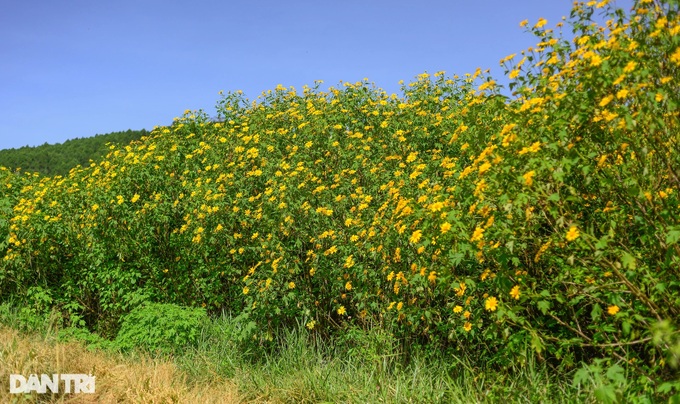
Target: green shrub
column 163, row 328
column 91, row 340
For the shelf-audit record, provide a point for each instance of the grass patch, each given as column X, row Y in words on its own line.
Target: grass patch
column 359, row 366
column 129, row 378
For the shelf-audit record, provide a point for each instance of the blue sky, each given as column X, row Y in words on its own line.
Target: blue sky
column 76, row 68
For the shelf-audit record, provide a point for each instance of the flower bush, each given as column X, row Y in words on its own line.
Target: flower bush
column 463, row 218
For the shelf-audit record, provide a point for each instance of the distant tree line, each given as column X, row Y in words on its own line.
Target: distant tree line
column 60, row 158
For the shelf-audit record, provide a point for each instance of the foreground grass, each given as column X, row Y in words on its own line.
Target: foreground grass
column 130, row 378
column 363, row 366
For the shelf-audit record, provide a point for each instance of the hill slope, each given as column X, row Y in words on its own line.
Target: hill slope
column 59, row 159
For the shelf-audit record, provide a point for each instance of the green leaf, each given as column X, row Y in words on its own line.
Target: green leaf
column 673, row 235
column 536, row 343
column 581, row 376
column 616, row 374
column 596, row 312
column 667, row 387
column 625, row 327
column 602, row 243
column 544, row 306
column 628, row 261
column 605, row 394
column 510, row 245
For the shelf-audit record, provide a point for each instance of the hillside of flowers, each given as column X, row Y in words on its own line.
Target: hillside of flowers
column 461, row 218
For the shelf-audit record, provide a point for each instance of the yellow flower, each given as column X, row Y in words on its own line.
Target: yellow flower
column 341, row 310
column 446, row 226
column 491, row 304
column 629, row 67
column 509, row 57
column 606, row 100
column 415, row 237
column 467, row 314
column 485, row 274
column 601, row 160
column 529, row 177
column 348, row 285
column 572, row 234
column 467, row 326
column 311, row 324
column 246, row 290
column 458, row 309
column 460, row 291
column 487, row 84
column 478, row 234
column 291, row 285
column 523, row 23
column 484, row 168
column 595, row 60
column 675, row 57
column 619, row 80
column 514, row 292
column 536, row 146
column 432, row 277
column 612, row 310
column 541, row 22
column 400, row 305
column 135, row 198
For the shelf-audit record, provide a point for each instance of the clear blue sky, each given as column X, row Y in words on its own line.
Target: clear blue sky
column 76, row 68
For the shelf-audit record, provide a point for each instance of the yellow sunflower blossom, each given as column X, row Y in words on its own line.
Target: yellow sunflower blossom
column 514, row 292
column 491, row 304
column 541, row 22
column 573, row 233
column 477, row 235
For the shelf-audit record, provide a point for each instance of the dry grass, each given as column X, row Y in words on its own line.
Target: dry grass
column 118, row 379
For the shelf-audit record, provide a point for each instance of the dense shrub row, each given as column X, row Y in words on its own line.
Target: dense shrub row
column 462, row 218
